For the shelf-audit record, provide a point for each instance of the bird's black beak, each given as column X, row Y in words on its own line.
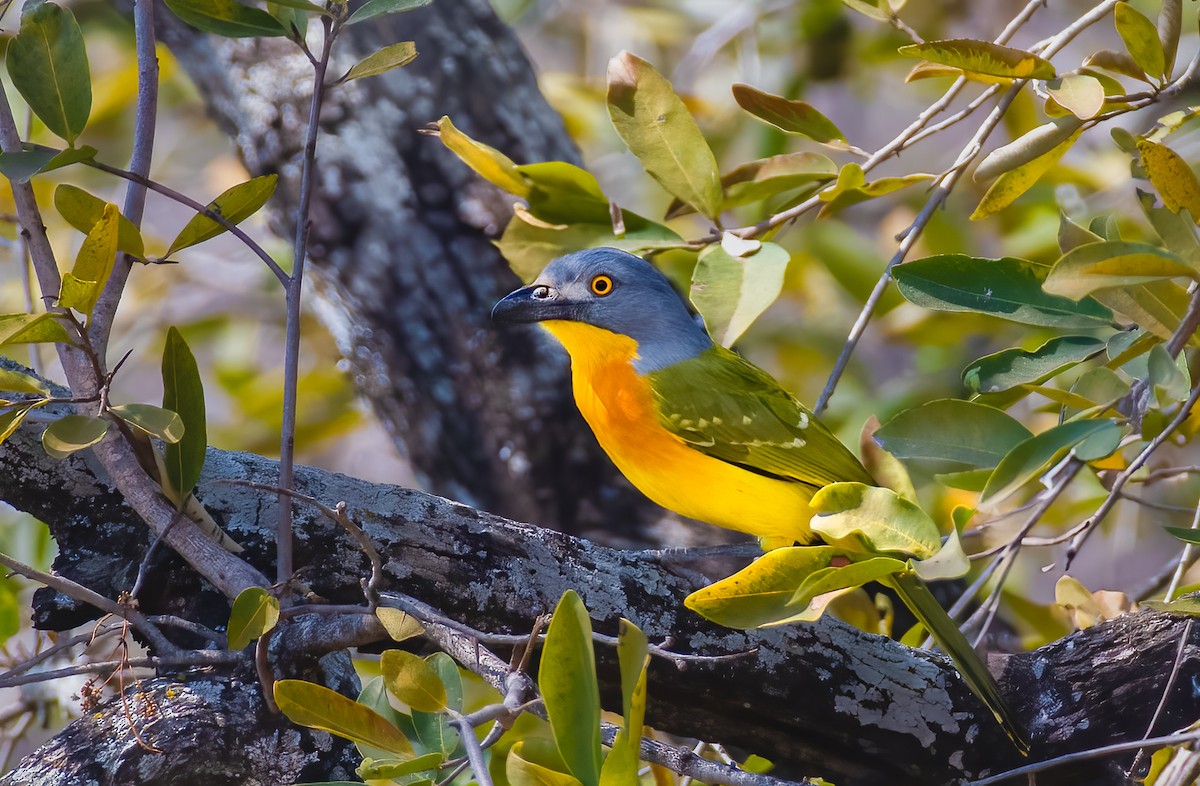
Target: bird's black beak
column 534, row 303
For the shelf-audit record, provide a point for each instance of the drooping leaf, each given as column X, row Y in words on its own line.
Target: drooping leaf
column 48, row 65
column 843, row 577
column 852, row 187
column 487, row 162
column 1141, row 39
column 235, row 204
column 21, row 165
column 962, row 433
column 399, row 625
column 1007, row 288
column 373, row 8
column 71, row 433
column 1174, row 180
column 794, row 117
column 318, row 707
column 183, row 393
column 567, row 677
column 657, row 127
column 1112, row 263
column 1072, row 235
column 1033, row 456
column 529, row 764
column 255, row 611
column 950, row 562
column 1016, row 182
column 413, row 681
column 31, row 329
column 1026, row 148
column 18, row 382
column 731, row 292
column 81, row 287
column 1170, row 24
column 1081, row 95
column 882, row 518
column 1169, row 376
column 227, row 18
column 1116, row 62
column 155, row 421
column 82, row 211
column 394, row 56
column 982, row 57
column 10, row 421
column 1009, row 368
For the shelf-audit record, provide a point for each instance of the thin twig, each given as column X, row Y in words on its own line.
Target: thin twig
column 179, row 658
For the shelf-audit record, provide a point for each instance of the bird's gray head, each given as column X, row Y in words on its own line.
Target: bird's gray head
column 614, row 290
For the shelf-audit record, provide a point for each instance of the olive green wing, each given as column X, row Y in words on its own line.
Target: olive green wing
column 725, row 407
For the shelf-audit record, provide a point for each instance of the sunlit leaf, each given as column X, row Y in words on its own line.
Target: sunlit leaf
column 373, row 8
column 1012, row 367
column 1080, row 94
column 235, row 204
column 10, row 421
column 1141, row 39
column 487, row 162
column 657, row 127
column 527, row 765
column 18, row 382
column 962, row 433
column 843, row 577
column 1072, row 235
column 567, row 677
column 1112, row 263
column 1174, row 180
column 927, row 70
column 1033, row 456
column 881, row 517
column 633, row 655
column 731, row 292
column 183, row 393
column 391, row 769
column 562, row 193
column 31, row 329
column 81, row 287
column 1026, row 148
column 1158, row 306
column 982, row 57
column 852, row 187
column 318, row 707
column 82, row 211
column 950, row 561
column 227, row 18
column 413, row 681
column 795, row 117
column 72, row 433
column 394, row 56
column 399, row 625
column 255, row 611
column 48, row 65
column 1176, row 228
column 1016, row 182
column 155, row 421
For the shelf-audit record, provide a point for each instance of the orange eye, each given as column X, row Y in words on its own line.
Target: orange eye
column 602, row 285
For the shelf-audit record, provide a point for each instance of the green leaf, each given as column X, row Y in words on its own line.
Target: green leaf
column 10, row 421
column 10, row 610
column 398, row 624
column 620, row 767
column 1081, row 95
column 373, row 8
column 882, row 518
column 48, row 65
column 567, row 677
column 183, row 393
column 317, row 707
column 658, row 129
column 1168, row 375
column 1025, row 148
column 1171, row 176
column 1186, row 534
column 1007, row 288
column 950, row 562
column 236, row 204
column 562, row 193
column 1016, row 182
column 431, row 728
column 761, row 593
column 1032, row 457
column 963, row 433
column 731, row 292
column 391, row 769
column 769, row 177
column 394, row 56
column 522, row 769
column 486, row 161
column 155, row 421
column 852, row 188
column 31, row 329
column 81, row 287
column 83, row 211
column 21, row 165
column 1112, row 263
column 794, row 117
column 849, row 576
column 1158, row 306
column 72, row 155
column 982, row 57
column 1189, row 606
column 18, row 382
column 1012, row 367
column 413, row 681
column 226, row 18
column 71, row 433
column 1141, row 39
column 255, row 611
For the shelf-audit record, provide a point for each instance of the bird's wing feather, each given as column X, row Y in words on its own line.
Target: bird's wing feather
column 727, row 408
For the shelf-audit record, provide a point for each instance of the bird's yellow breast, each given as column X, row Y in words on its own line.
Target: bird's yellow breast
column 619, row 405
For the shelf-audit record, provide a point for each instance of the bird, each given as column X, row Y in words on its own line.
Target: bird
column 696, row 427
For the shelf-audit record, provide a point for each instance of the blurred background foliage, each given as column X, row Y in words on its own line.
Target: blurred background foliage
column 840, row 61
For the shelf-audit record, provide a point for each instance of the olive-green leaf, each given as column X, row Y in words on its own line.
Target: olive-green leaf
column 657, row 128
column 950, row 562
column 31, row 329
column 391, row 769
column 795, row 117
column 373, row 8
column 1109, row 264
column 1015, row 182
column 394, row 56
column 81, row 287
column 962, row 433
column 487, row 162
column 398, row 624
column 849, row 576
column 318, row 707
column 1141, row 39
column 982, row 57
column 17, row 382
column 48, row 65
column 82, row 211
column 183, row 393
column 633, row 656
column 1080, row 94
column 761, row 593
column 227, row 18
column 1009, row 368
column 769, row 177
column 413, row 681
column 235, row 204
column 1158, row 306
column 1174, row 180
column 563, row 193
column 71, row 433
column 1026, row 148
column 155, row 421
column 567, row 677
column 852, row 187
column 255, row 611
column 527, row 765
column 10, row 421
column 21, row 165
column 885, row 520
column 731, row 292
column 1033, row 456
column 1008, row 288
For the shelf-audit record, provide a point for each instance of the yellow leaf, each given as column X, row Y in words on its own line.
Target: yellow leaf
column 488, row 162
column 1172, row 177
